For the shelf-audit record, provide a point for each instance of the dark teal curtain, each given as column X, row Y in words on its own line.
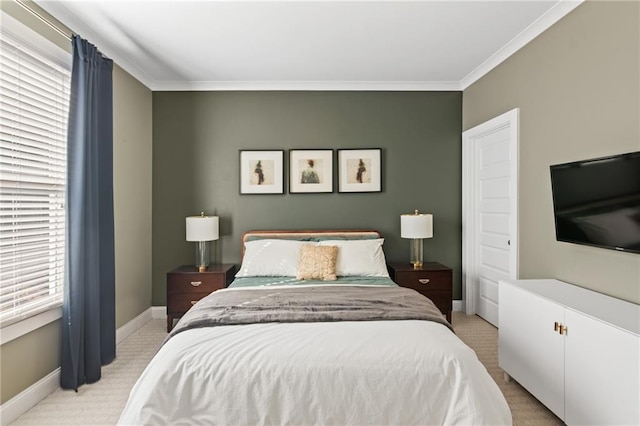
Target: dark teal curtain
column 88, row 314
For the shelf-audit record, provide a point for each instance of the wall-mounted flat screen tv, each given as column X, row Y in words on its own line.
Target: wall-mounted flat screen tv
column 597, row 202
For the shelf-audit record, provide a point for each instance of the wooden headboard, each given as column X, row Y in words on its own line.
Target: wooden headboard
column 295, row 234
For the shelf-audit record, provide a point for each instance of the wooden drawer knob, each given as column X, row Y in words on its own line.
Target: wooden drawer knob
column 196, row 283
column 424, row 280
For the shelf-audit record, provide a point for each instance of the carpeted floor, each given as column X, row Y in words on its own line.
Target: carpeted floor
column 483, row 338
column 101, row 403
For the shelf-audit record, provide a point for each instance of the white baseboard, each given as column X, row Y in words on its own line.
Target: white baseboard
column 129, row 328
column 458, row 305
column 159, row 312
column 28, row 398
column 22, row 402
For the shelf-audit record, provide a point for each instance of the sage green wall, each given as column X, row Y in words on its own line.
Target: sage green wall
column 22, row 361
column 198, row 135
column 578, row 89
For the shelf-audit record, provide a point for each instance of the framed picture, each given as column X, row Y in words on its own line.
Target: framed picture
column 262, row 172
column 359, row 170
column 310, row 170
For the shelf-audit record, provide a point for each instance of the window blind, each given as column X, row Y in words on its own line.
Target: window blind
column 34, row 104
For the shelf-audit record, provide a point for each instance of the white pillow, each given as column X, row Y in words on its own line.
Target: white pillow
column 271, row 258
column 359, row 257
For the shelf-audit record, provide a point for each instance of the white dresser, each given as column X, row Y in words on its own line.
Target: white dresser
column 575, row 350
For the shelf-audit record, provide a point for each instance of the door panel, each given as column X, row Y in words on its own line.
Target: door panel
column 497, row 241
column 491, row 274
column 495, row 259
column 495, row 170
column 495, row 205
column 490, row 169
column 496, row 224
column 489, row 289
column 494, row 189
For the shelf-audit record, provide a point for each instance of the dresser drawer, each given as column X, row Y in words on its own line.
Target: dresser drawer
column 425, row 280
column 433, row 280
column 200, row 283
column 181, row 303
column 186, row 285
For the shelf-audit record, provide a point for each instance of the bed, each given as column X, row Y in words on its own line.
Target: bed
column 312, row 331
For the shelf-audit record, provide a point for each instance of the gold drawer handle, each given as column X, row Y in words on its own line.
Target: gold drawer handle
column 193, row 302
column 196, row 283
column 424, row 280
column 560, row 328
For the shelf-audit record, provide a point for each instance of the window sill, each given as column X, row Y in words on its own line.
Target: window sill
column 23, row 327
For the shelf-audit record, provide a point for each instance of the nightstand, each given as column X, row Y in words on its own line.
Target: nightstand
column 185, row 286
column 433, row 280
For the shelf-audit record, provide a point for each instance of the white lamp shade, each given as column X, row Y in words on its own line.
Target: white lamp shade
column 202, row 228
column 416, row 226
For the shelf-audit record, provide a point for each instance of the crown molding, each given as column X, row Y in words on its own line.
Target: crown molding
column 60, row 12
column 398, row 86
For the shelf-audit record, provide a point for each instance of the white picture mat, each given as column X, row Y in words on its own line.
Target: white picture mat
column 323, row 166
column 272, row 166
column 348, row 165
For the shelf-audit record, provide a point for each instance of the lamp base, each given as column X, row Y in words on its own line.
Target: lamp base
column 416, row 253
column 202, row 255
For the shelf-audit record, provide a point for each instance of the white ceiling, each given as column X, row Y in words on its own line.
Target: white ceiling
column 308, row 45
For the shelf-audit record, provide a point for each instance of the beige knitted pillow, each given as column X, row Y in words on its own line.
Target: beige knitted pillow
column 317, row 263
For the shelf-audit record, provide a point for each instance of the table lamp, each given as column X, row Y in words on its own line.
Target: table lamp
column 416, row 226
column 202, row 229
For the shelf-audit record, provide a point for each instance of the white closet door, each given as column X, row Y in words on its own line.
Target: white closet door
column 494, row 233
column 490, row 212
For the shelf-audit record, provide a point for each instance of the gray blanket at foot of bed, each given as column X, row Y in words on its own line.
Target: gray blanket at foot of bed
column 309, row 304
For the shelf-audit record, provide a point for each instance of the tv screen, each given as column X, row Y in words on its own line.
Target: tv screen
column 597, row 202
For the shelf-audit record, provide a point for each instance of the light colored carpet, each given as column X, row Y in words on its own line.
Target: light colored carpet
column 482, row 337
column 101, row 403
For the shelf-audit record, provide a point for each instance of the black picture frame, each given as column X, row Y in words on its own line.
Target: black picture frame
column 360, row 170
column 310, row 171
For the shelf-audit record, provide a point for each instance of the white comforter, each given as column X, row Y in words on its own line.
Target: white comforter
column 346, row 373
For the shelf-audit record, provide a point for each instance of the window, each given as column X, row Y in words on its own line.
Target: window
column 33, row 137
